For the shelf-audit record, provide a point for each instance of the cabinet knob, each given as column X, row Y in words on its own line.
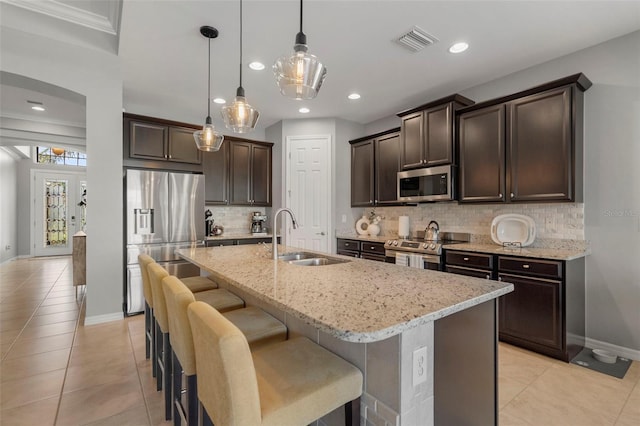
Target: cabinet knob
column 488, row 276
column 512, row 195
column 370, row 201
column 525, row 266
column 376, row 201
column 347, row 244
column 500, row 195
column 499, row 278
column 465, row 259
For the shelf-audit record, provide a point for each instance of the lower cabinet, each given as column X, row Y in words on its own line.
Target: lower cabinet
column 371, row 250
column 238, row 241
column 545, row 312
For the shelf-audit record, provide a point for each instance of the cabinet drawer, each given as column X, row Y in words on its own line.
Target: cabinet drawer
column 351, row 253
column 469, row 272
column 369, row 247
column 376, row 257
column 218, row 243
column 348, row 245
column 543, row 268
column 473, row 260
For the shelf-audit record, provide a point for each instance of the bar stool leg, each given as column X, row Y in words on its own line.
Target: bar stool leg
column 158, row 360
column 154, row 346
column 147, row 331
column 166, row 365
column 192, row 399
column 177, row 391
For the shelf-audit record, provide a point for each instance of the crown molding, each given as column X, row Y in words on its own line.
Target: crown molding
column 109, row 24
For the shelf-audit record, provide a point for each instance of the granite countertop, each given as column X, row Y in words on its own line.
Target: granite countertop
column 237, row 236
column 356, row 301
column 553, row 253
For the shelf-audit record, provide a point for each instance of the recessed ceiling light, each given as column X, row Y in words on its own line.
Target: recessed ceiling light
column 35, row 105
column 37, row 108
column 354, row 96
column 257, row 66
column 459, row 47
column 304, row 110
column 219, row 101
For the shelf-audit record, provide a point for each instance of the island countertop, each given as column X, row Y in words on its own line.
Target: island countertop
column 356, row 301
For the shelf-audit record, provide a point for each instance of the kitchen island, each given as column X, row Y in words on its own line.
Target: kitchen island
column 424, row 340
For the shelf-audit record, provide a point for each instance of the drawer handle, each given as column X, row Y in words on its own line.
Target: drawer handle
column 465, row 259
column 373, row 248
column 488, row 276
column 347, row 244
column 525, row 266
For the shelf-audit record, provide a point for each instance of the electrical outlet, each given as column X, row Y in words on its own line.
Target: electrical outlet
column 7, row 247
column 419, row 366
column 344, row 218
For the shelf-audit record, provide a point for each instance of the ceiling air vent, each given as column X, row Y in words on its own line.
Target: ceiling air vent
column 416, row 39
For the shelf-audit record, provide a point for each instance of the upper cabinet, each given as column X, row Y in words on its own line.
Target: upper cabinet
column 427, row 133
column 375, row 163
column 525, row 147
column 156, row 143
column 250, row 174
column 216, row 175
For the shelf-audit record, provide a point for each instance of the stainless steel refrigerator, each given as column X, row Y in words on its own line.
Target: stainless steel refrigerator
column 164, row 211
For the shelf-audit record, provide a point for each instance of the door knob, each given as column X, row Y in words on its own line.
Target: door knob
column 322, row 233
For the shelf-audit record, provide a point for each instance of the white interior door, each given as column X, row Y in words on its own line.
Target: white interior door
column 308, row 191
column 56, row 214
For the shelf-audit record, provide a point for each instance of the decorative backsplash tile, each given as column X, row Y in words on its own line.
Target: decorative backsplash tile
column 235, row 219
column 559, row 221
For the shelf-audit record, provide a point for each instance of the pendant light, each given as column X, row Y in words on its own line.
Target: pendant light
column 300, row 75
column 208, row 139
column 240, row 117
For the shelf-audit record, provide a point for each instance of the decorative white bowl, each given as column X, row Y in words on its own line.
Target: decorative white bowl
column 513, row 228
column 604, row 356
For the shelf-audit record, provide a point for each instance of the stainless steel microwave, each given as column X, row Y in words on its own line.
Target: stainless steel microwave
column 429, row 184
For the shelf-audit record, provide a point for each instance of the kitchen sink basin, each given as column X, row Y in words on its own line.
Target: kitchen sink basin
column 296, row 256
column 317, row 261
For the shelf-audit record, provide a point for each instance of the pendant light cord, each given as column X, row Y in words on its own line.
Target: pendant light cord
column 209, row 84
column 241, row 44
column 300, row 15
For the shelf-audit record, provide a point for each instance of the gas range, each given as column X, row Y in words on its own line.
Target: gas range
column 427, row 247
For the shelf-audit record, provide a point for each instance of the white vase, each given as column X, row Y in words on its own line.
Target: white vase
column 362, row 225
column 374, row 229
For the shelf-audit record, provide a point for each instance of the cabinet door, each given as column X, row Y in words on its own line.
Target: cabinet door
column 260, row 175
column 412, row 145
column 482, row 157
column 540, row 154
column 240, row 173
column 216, row 173
column 182, row 146
column 438, row 135
column 532, row 312
column 387, row 166
column 148, row 140
column 362, row 178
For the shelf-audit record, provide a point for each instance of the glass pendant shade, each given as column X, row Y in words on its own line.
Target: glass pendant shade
column 208, row 139
column 300, row 75
column 240, row 117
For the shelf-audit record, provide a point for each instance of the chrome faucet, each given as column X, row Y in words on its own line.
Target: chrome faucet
column 274, row 242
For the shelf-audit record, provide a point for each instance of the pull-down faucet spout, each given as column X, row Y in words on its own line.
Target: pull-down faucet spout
column 274, row 242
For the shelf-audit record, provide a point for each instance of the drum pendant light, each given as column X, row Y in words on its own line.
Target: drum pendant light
column 208, row 139
column 240, row 117
column 300, row 75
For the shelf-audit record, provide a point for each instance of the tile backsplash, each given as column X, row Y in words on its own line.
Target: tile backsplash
column 235, row 219
column 553, row 220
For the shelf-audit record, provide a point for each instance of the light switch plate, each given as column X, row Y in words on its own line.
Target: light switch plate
column 419, row 366
column 344, row 218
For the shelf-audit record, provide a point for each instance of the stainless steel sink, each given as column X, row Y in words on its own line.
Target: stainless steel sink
column 318, row 261
column 296, row 256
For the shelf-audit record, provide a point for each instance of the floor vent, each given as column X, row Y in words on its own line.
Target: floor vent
column 416, row 39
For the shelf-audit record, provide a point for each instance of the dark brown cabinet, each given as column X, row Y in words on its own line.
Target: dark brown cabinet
column 250, row 174
column 238, row 241
column 427, row 133
column 150, row 140
column 524, row 147
column 216, row 172
column 469, row 264
column 375, row 162
column 371, row 250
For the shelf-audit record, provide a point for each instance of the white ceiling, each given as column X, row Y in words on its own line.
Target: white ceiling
column 164, row 57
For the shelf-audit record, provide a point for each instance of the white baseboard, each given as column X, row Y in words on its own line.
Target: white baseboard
column 99, row 319
column 618, row 350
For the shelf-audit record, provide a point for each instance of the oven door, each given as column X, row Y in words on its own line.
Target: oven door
column 430, row 184
column 398, row 257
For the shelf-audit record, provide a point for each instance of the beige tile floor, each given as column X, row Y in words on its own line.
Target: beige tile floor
column 55, row 371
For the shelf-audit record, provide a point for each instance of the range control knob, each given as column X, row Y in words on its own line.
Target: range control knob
column 395, row 242
column 388, row 242
column 425, row 245
column 432, row 246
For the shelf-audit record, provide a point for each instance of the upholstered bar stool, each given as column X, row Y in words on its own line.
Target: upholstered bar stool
column 259, row 328
column 195, row 284
column 290, row 383
column 220, row 298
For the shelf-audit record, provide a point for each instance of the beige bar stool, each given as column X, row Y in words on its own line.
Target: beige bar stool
column 290, row 383
column 259, row 328
column 220, row 298
column 195, row 284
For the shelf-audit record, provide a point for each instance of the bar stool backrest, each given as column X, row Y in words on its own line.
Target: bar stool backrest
column 227, row 384
column 144, row 261
column 156, row 274
column 179, row 297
